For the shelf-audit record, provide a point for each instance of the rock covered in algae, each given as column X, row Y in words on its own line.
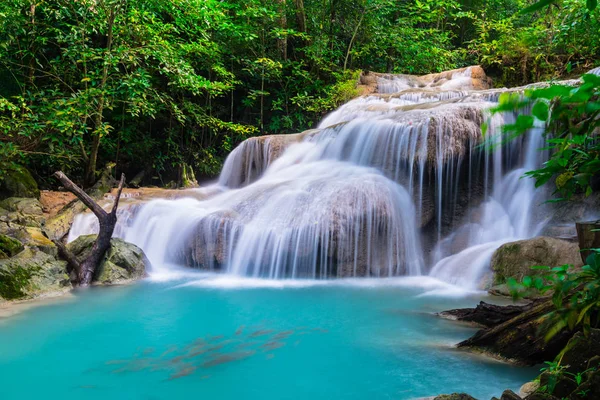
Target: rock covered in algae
column 32, row 273
column 18, row 183
column 122, row 263
column 515, row 259
column 9, row 247
column 454, row 396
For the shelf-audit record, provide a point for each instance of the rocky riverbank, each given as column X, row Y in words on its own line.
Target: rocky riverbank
column 30, row 264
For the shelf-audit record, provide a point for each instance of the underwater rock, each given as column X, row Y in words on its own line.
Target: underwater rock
column 122, row 263
column 18, row 183
column 515, row 259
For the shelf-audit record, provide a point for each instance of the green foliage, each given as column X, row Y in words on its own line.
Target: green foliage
column 571, row 114
column 154, row 84
column 575, row 294
column 522, row 47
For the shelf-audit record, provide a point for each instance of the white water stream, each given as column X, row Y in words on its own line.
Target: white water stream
column 389, row 184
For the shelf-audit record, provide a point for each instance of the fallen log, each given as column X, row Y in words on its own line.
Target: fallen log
column 521, row 339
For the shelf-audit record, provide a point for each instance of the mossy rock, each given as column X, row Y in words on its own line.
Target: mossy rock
column 454, row 396
column 59, row 225
column 122, row 263
column 9, row 247
column 22, row 211
column 32, row 273
column 18, row 183
column 515, row 259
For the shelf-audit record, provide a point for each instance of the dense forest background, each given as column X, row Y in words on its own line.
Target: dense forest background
column 153, row 85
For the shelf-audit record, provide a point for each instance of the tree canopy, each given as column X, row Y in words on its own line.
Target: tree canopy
column 156, row 84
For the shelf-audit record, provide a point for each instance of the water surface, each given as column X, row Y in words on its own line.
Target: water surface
column 217, row 337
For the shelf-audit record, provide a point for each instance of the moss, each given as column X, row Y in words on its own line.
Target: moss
column 9, row 246
column 18, row 183
column 13, row 282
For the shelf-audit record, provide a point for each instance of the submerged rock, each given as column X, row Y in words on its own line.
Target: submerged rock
column 18, row 183
column 122, row 263
column 515, row 259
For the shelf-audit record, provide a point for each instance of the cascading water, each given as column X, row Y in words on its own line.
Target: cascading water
column 387, row 184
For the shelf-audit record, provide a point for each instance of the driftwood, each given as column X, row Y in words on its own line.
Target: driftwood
column 520, row 338
column 85, row 269
column 486, row 314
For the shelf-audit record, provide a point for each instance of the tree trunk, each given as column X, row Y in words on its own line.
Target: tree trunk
column 282, row 42
column 86, row 268
column 98, row 118
column 301, row 16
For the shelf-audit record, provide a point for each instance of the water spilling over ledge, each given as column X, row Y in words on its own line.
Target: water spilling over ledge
column 395, row 182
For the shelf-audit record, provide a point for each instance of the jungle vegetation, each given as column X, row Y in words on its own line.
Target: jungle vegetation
column 155, row 85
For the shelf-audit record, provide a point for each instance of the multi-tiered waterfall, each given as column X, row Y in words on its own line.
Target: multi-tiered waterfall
column 397, row 182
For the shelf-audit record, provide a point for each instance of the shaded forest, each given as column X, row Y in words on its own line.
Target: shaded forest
column 155, row 86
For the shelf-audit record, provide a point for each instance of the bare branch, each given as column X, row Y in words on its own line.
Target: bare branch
column 83, row 196
column 73, row 264
column 118, row 197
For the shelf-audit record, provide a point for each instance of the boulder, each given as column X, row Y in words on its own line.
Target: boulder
column 510, row 395
column 485, row 314
column 9, row 247
column 122, row 263
column 580, row 350
column 529, row 388
column 515, row 259
column 32, row 273
column 589, row 389
column 560, row 385
column 22, row 211
column 18, row 183
column 454, row 396
column 520, row 339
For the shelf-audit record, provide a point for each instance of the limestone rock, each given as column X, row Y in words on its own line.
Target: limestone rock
column 32, row 273
column 122, row 263
column 519, row 339
column 454, row 396
column 9, row 246
column 515, row 259
column 562, row 385
column 510, row 395
column 22, row 211
column 580, row 350
column 529, row 388
column 589, row 389
column 18, row 183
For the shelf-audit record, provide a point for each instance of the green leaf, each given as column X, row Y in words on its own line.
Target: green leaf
column 591, row 4
column 540, row 4
column 540, row 110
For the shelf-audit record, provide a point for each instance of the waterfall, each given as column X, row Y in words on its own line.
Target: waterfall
column 388, row 184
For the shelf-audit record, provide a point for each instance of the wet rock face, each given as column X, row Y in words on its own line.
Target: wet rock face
column 515, row 259
column 122, row 263
column 18, row 183
column 32, row 273
column 9, row 247
column 454, row 396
